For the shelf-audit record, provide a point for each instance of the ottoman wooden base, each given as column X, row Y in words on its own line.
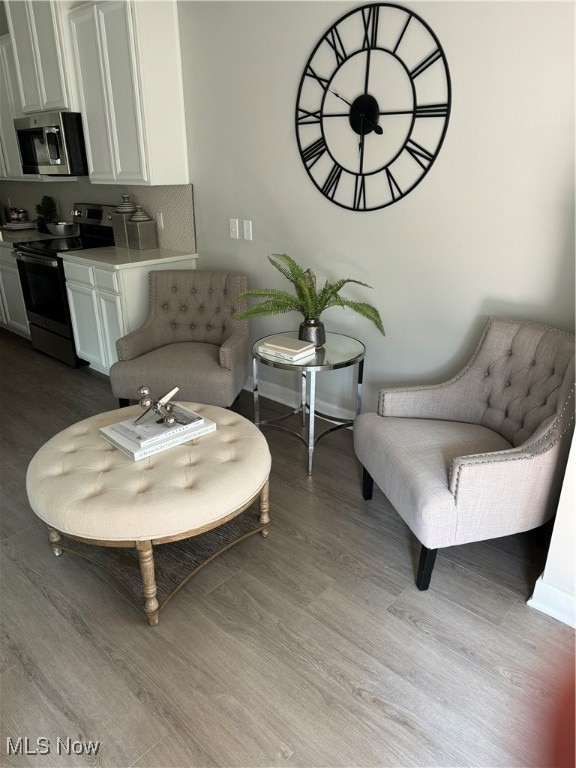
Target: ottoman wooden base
column 174, row 563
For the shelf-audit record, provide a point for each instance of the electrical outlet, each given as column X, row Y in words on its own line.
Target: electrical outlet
column 234, row 234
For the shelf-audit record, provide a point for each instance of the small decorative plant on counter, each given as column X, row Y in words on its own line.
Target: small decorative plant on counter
column 46, row 212
column 308, row 299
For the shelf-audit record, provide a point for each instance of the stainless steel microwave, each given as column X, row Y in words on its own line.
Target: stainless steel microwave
column 52, row 144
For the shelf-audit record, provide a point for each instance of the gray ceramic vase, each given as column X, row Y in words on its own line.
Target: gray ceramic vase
column 312, row 330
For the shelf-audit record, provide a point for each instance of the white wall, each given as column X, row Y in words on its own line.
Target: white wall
column 489, row 230
column 555, row 590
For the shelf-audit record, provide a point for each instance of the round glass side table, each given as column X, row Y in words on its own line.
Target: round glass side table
column 339, row 351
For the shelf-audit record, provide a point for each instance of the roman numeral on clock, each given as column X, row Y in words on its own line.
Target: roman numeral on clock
column 305, row 117
column 427, row 62
column 431, row 110
column 360, row 193
column 322, row 81
column 331, row 183
column 421, row 155
column 395, row 190
column 402, row 33
column 335, row 42
column 370, row 17
column 314, row 152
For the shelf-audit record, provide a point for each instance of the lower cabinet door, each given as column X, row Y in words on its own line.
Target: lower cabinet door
column 85, row 323
column 13, row 301
column 112, row 325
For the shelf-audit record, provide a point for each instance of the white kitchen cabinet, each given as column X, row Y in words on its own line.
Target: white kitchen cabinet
column 36, row 31
column 110, row 313
column 86, row 324
column 13, row 316
column 96, row 313
column 129, row 77
column 11, row 107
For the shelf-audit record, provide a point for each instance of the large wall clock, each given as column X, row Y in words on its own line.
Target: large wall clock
column 373, row 107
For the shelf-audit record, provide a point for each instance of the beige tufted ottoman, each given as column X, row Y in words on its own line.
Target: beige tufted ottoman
column 89, row 492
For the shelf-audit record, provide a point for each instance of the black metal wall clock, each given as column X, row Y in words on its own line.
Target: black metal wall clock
column 373, row 107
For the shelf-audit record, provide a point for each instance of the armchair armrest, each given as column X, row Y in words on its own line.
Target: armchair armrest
column 138, row 342
column 234, row 350
column 451, row 400
column 525, row 481
column 527, row 486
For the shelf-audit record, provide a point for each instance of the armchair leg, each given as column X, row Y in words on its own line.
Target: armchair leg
column 425, row 566
column 124, row 403
column 367, row 484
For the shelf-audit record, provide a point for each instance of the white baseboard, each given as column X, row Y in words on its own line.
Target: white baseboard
column 554, row 602
column 290, row 398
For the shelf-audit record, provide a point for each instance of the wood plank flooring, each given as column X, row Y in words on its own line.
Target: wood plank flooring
column 310, row 648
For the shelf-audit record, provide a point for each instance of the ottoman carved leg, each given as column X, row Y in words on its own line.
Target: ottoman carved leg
column 54, row 537
column 265, row 507
column 146, row 558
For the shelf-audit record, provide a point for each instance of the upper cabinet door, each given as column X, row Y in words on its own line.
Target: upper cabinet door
column 38, row 54
column 128, row 72
column 92, row 94
column 119, row 58
column 103, row 48
column 20, row 24
column 11, row 108
column 50, row 55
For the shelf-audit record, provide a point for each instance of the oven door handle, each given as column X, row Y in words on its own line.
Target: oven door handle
column 39, row 260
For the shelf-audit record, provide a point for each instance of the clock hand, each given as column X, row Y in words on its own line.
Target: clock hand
column 367, row 72
column 376, row 128
column 341, row 98
column 361, row 144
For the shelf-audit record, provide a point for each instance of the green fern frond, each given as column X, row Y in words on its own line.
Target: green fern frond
column 290, row 269
column 308, row 299
column 257, row 293
column 303, row 280
column 329, row 294
column 264, row 308
column 276, row 302
column 367, row 311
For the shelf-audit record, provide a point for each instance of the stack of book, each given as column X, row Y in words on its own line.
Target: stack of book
column 285, row 348
column 145, row 439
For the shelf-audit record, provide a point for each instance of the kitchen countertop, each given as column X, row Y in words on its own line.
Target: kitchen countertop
column 110, row 257
column 124, row 258
column 9, row 237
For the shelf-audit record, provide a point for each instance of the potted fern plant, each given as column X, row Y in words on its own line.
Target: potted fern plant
column 46, row 213
column 308, row 299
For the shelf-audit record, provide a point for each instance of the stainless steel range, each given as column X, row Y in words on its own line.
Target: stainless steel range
column 41, row 272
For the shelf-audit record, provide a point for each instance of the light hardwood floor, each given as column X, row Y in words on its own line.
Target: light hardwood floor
column 310, row 648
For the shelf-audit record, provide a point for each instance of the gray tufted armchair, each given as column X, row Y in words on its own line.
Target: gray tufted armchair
column 482, row 455
column 190, row 339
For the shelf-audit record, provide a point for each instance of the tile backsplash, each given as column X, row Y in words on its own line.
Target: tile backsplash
column 176, row 203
